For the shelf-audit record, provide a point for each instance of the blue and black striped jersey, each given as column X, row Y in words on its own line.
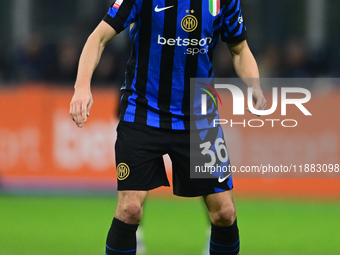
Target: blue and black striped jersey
column 172, row 41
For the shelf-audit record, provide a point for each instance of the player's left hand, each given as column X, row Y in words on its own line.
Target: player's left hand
column 259, row 100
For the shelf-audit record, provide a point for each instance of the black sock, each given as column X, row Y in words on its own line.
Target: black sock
column 224, row 240
column 121, row 238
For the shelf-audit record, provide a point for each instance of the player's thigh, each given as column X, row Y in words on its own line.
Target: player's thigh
column 221, row 208
column 139, row 153
column 187, row 155
column 130, row 205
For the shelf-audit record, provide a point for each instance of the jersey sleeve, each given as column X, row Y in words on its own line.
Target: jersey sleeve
column 233, row 28
column 122, row 13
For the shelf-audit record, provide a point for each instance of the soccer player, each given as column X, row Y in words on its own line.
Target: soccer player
column 172, row 41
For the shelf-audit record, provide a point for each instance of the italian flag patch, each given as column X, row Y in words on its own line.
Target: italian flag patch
column 117, row 4
column 214, row 7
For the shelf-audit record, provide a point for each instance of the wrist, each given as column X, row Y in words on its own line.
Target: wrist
column 83, row 85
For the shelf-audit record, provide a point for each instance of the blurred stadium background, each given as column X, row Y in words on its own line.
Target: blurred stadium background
column 57, row 182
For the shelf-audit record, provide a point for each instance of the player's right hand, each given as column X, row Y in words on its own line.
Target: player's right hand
column 80, row 106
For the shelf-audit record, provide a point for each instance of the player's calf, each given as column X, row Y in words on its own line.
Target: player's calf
column 121, row 238
column 224, row 230
column 224, row 240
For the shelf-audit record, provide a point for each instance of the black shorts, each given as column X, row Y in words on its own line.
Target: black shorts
column 139, row 160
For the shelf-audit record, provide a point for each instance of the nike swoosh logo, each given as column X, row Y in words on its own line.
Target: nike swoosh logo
column 223, row 179
column 162, row 9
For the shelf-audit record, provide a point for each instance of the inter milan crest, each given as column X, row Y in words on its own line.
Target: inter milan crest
column 123, row 171
column 214, row 7
column 189, row 23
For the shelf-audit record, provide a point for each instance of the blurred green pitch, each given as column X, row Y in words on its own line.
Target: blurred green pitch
column 77, row 225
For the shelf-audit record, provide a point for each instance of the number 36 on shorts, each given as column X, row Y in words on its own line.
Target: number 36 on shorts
column 216, row 151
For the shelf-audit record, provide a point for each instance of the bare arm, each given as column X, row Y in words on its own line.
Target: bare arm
column 82, row 99
column 246, row 68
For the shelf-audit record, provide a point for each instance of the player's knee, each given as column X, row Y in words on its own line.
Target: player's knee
column 225, row 216
column 130, row 213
